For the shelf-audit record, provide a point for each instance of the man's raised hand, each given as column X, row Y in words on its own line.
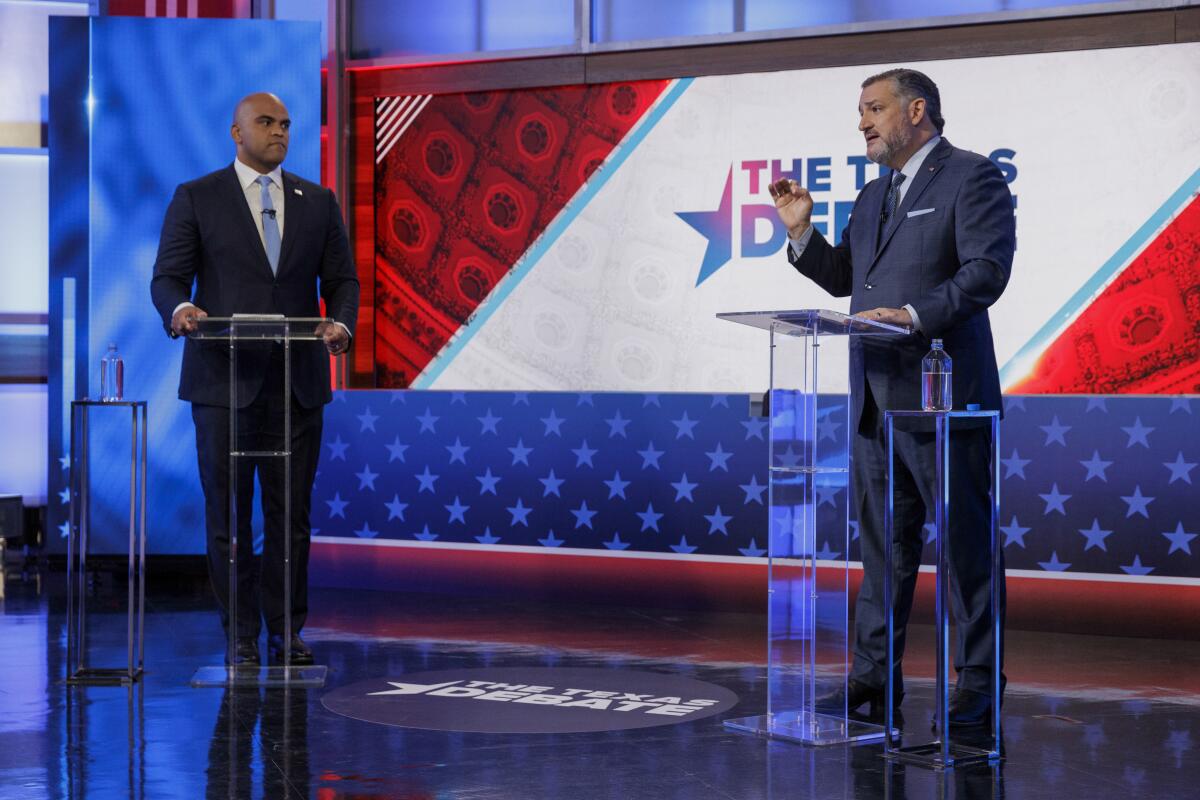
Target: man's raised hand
column 793, row 204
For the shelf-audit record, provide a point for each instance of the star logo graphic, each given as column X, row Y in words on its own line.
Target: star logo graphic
column 683, row 488
column 717, row 228
column 1180, row 539
column 1095, row 536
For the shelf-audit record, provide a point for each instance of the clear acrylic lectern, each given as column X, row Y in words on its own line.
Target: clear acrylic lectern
column 244, row 332
column 808, row 537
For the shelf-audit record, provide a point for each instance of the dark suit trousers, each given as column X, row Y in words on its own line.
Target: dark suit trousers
column 260, row 427
column 969, row 545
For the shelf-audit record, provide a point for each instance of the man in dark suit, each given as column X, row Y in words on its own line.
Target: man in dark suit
column 929, row 245
column 253, row 239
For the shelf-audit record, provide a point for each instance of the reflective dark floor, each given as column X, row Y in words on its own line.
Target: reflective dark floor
column 1085, row 716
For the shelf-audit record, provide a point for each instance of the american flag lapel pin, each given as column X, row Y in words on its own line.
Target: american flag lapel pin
column 297, row 191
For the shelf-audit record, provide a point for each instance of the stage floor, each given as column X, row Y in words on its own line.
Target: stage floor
column 1084, row 716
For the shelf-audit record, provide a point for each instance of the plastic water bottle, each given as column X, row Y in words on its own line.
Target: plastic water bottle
column 935, row 379
column 112, row 376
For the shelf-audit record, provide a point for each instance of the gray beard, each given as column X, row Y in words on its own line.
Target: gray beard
column 890, row 148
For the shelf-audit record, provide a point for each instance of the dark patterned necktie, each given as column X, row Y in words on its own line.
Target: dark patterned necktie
column 893, row 197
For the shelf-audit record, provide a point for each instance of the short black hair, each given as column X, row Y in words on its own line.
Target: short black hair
column 910, row 85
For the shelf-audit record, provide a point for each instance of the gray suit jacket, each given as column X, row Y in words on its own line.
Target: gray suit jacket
column 950, row 263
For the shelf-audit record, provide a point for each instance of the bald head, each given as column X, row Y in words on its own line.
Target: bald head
column 261, row 128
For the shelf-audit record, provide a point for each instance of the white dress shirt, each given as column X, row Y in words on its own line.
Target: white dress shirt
column 248, row 178
column 910, row 170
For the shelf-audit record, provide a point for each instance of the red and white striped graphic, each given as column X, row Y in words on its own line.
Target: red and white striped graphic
column 393, row 115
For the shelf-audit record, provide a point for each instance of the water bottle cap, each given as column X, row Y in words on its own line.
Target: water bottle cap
column 972, row 406
column 112, row 345
column 937, row 342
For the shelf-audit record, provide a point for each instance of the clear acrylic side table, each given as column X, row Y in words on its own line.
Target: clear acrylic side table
column 78, row 671
column 942, row 753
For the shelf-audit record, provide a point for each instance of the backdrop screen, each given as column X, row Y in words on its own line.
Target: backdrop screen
column 584, row 238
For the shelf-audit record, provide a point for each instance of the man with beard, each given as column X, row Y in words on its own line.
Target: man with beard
column 929, row 246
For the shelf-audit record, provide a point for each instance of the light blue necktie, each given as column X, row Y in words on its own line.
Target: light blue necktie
column 270, row 226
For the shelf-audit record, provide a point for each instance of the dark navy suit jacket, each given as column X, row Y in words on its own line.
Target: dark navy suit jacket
column 209, row 239
column 950, row 260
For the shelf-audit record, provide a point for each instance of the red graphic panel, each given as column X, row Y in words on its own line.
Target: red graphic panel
column 464, row 191
column 1142, row 334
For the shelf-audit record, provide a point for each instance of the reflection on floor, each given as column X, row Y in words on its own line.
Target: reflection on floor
column 1085, row 717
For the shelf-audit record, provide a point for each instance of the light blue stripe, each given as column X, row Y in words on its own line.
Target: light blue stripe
column 550, row 236
column 68, row 359
column 1048, row 332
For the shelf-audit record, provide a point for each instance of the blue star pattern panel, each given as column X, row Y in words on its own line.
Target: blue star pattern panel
column 1100, row 484
column 665, row 473
column 1088, row 484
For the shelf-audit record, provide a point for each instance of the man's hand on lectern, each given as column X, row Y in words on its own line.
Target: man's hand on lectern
column 184, row 320
column 891, row 316
column 335, row 337
column 794, row 205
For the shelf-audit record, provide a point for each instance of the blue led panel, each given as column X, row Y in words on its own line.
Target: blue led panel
column 138, row 106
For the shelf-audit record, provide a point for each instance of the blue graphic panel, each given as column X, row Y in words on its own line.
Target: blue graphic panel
column 137, row 107
column 678, row 473
column 1088, row 484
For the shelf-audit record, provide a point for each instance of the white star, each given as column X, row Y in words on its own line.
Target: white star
column 617, row 425
column 489, row 422
column 1138, row 433
column 649, row 517
column 718, row 459
column 754, row 428
column 457, row 511
column 1095, row 536
column 367, row 420
column 366, row 478
column 1014, row 465
column 1013, row 532
column 396, row 450
column 754, row 490
column 427, row 479
column 1180, row 469
column 337, row 506
column 1054, row 565
column 487, row 482
column 520, row 453
column 683, row 488
column 337, row 448
column 583, row 454
column 650, row 456
column 1180, row 539
column 616, row 487
column 395, row 508
column 1137, row 503
column 365, row 532
column 716, row 521
column 428, row 421
column 1055, row 431
column 1096, row 467
column 684, row 426
column 1055, row 501
column 458, row 451
column 553, row 423
column 551, row 484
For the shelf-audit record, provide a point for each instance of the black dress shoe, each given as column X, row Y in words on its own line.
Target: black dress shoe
column 969, row 708
column 245, row 653
column 302, row 655
column 854, row 695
